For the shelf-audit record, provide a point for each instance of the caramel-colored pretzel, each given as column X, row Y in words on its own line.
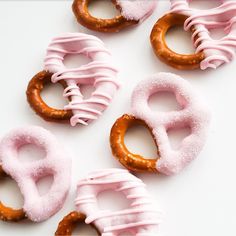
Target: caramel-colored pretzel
column 8, row 213
column 35, row 87
column 80, row 8
column 69, row 222
column 165, row 54
column 131, row 161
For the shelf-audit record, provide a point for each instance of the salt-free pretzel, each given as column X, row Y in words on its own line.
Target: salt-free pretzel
column 139, row 219
column 100, row 73
column 210, row 52
column 56, row 163
column 193, row 115
column 131, row 13
column 8, row 213
column 69, row 222
column 35, row 87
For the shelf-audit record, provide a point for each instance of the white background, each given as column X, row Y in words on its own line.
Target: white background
column 201, row 199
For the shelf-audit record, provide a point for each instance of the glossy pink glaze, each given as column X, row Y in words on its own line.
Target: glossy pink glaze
column 56, row 163
column 217, row 51
column 194, row 115
column 99, row 73
column 140, row 219
column 137, row 10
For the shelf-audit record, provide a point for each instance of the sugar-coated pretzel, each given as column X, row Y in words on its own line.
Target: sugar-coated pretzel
column 34, row 89
column 69, row 222
column 99, row 73
column 8, row 213
column 56, row 163
column 211, row 53
column 131, row 13
column 193, row 115
column 139, row 219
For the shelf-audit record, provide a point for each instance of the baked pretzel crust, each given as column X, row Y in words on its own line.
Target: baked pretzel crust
column 80, row 9
column 35, row 87
column 164, row 53
column 69, row 222
column 132, row 162
column 8, row 213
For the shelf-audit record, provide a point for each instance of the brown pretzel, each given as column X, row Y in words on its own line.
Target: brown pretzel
column 80, row 8
column 131, row 161
column 35, row 87
column 161, row 49
column 7, row 213
column 69, row 222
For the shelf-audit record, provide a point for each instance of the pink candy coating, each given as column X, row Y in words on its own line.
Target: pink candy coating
column 139, row 219
column 194, row 115
column 99, row 73
column 137, row 10
column 217, row 51
column 56, row 163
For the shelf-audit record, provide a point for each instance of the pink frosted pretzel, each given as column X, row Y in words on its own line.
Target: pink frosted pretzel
column 193, row 115
column 132, row 12
column 215, row 51
column 140, row 219
column 99, row 72
column 56, row 163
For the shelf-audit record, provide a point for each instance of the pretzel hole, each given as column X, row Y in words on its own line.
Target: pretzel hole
column 30, row 153
column 87, row 90
column 138, row 140
column 75, row 60
column 164, row 101
column 184, row 43
column 106, row 200
column 103, row 9
column 52, row 95
column 203, row 4
column 83, row 229
column 10, row 193
column 44, row 184
column 177, row 135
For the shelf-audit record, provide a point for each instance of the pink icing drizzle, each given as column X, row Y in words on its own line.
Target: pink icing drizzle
column 99, row 73
column 217, row 51
column 140, row 219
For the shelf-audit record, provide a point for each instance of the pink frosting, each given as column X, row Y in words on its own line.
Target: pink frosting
column 99, row 72
column 137, row 10
column 56, row 163
column 217, row 51
column 140, row 219
column 194, row 115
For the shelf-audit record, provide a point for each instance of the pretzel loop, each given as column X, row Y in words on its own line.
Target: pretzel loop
column 8, row 213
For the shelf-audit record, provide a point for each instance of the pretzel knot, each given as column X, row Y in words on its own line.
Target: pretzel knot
column 131, row 13
column 56, row 164
column 193, row 115
column 139, row 219
column 99, row 73
column 210, row 52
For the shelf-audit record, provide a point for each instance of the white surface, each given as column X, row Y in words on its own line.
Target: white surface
column 200, row 200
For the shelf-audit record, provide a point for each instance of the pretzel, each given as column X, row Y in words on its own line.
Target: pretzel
column 210, row 53
column 69, row 222
column 194, row 115
column 56, row 163
column 8, row 213
column 131, row 13
column 35, row 87
column 99, row 73
column 140, row 218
